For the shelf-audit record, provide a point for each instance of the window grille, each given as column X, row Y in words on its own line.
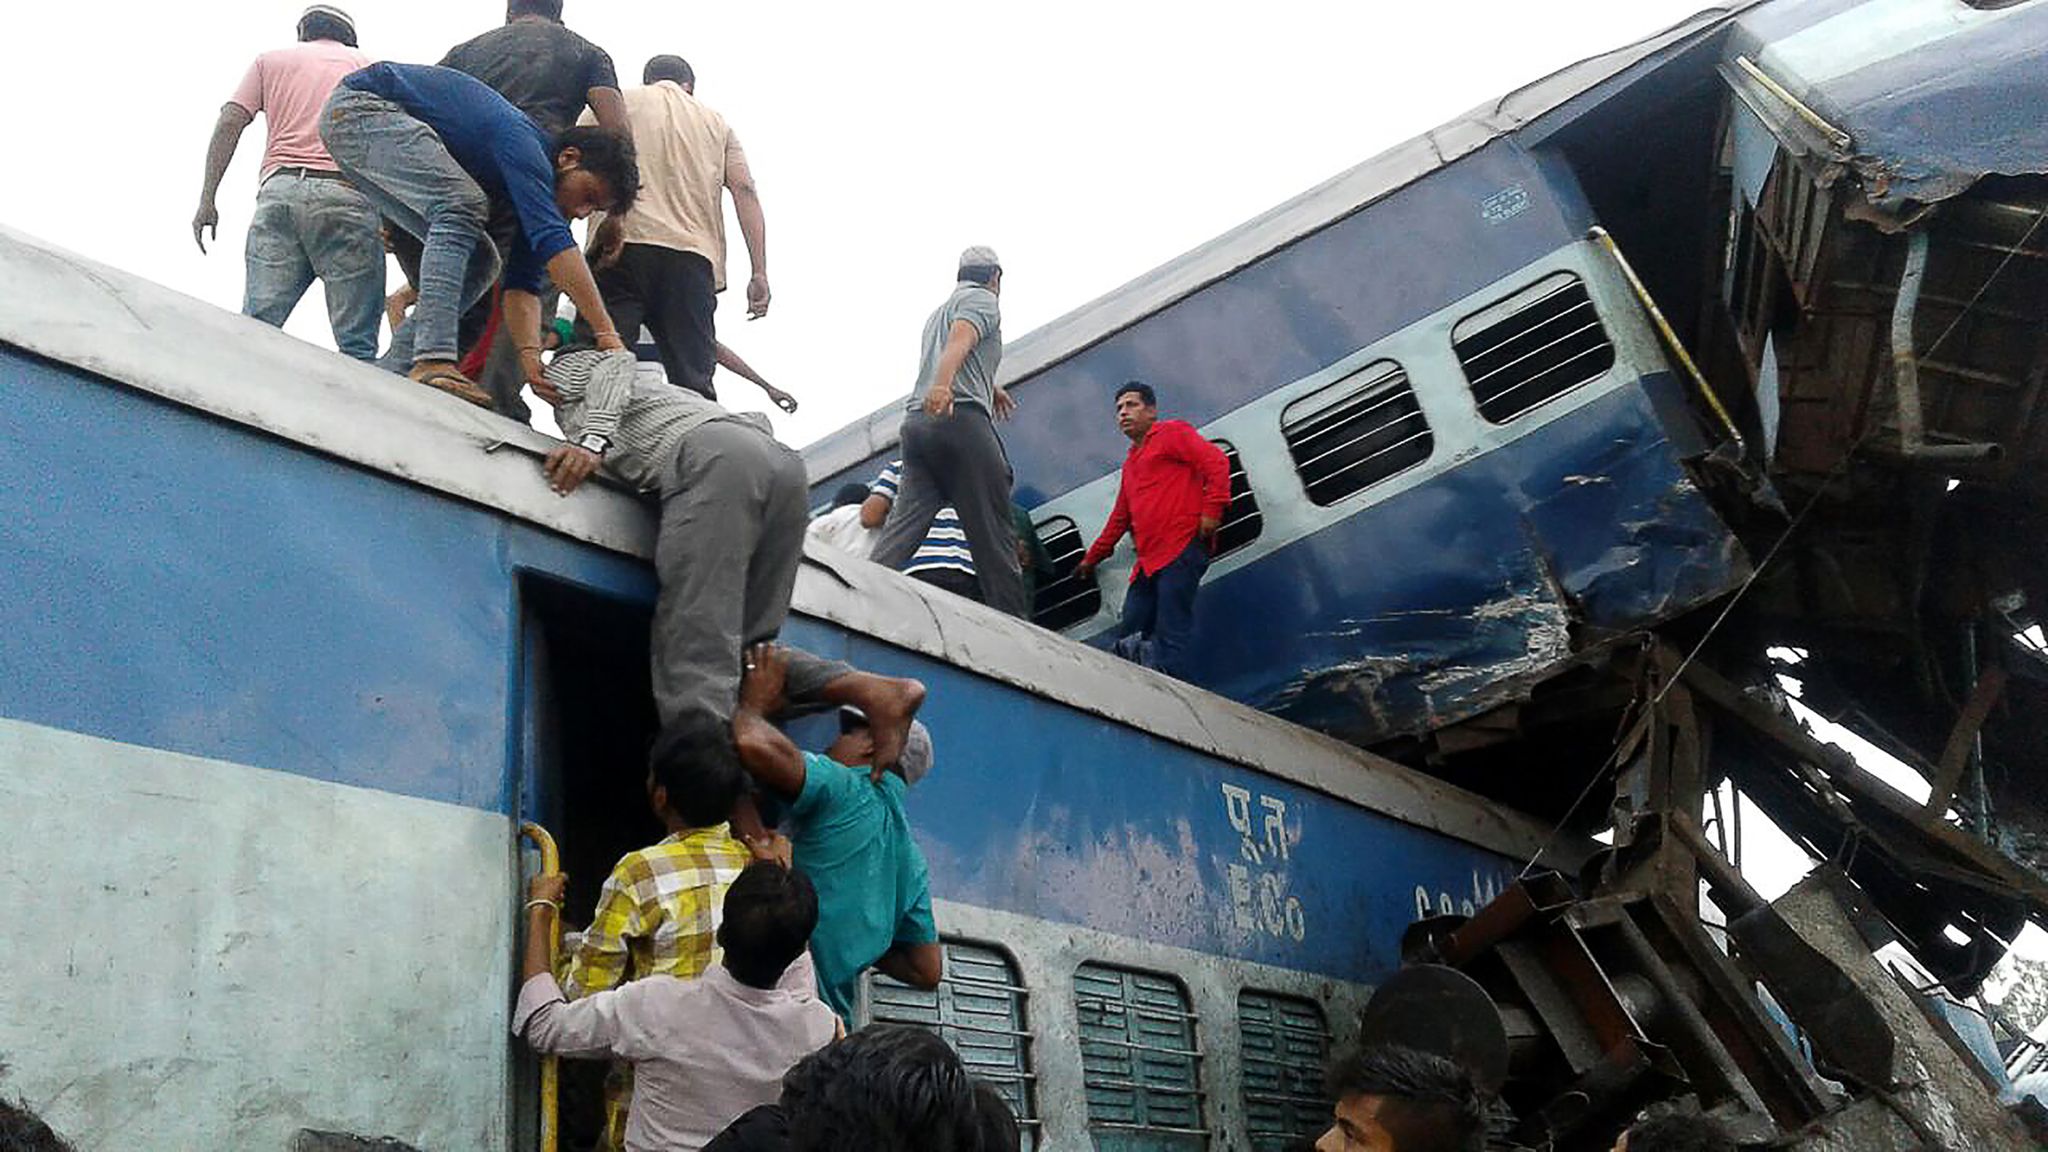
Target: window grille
column 979, row 1009
column 1286, row 1044
column 1139, row 1063
column 1355, row 432
column 1532, row 347
column 1242, row 520
column 1065, row 600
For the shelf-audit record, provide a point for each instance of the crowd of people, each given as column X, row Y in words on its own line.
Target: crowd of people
column 721, row 967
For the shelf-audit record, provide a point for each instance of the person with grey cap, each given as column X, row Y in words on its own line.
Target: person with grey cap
column 951, row 453
column 851, row 837
column 309, row 222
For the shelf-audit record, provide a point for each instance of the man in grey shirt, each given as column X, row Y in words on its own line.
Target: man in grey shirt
column 951, row 454
column 733, row 513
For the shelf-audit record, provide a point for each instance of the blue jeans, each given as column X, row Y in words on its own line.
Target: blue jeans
column 406, row 172
column 308, row 228
column 1159, row 612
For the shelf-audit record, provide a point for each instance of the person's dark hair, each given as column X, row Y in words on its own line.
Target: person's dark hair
column 318, row 25
column 23, row 1131
column 1680, row 1132
column 695, row 760
column 1143, row 390
column 1428, row 1104
column 770, row 912
column 999, row 1131
column 674, row 68
column 886, row 1086
column 850, row 494
column 982, row 274
column 610, row 158
column 552, row 9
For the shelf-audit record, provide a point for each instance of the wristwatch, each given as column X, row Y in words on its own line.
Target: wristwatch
column 593, row 443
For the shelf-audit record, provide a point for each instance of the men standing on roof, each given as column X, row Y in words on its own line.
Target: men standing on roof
column 951, row 454
column 729, row 543
column 435, row 150
column 664, row 262
column 309, row 223
column 851, row 837
column 1171, row 499
column 550, row 73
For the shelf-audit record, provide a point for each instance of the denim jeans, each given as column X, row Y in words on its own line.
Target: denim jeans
column 406, row 172
column 1159, row 612
column 308, row 228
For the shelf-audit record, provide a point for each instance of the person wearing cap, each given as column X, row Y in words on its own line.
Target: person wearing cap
column 309, row 222
column 851, row 837
column 663, row 263
column 951, row 454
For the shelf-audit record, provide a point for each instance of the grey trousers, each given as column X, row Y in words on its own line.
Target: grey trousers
column 727, row 552
column 958, row 460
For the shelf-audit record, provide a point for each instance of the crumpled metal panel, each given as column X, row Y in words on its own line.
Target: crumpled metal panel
column 1934, row 94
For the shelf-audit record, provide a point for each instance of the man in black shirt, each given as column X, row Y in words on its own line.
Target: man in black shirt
column 549, row 73
column 545, row 70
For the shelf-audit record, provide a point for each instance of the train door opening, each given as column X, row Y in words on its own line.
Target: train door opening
column 587, row 722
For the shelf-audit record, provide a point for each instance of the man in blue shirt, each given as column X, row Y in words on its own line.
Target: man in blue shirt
column 436, row 151
column 851, row 837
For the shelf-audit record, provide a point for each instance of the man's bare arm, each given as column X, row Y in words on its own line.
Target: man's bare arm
column 731, row 362
column 220, row 152
column 767, row 755
column 746, row 204
column 918, row 965
column 610, row 109
column 572, row 275
column 960, row 341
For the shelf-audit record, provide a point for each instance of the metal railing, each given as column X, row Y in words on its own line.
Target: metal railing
column 550, row 1066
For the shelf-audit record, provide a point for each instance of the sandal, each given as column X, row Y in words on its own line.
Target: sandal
column 450, row 379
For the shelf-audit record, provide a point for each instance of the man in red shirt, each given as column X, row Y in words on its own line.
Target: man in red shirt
column 1171, row 499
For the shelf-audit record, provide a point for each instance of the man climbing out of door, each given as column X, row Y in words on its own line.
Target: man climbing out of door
column 851, row 836
column 733, row 514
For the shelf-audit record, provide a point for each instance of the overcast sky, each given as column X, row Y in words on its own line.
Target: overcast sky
column 1088, row 142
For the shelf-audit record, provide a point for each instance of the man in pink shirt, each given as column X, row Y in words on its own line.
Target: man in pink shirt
column 309, row 222
column 705, row 1050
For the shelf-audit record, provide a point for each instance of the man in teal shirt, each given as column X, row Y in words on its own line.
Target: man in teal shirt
column 851, row 837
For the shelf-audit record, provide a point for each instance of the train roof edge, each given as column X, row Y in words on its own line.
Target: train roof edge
column 66, row 308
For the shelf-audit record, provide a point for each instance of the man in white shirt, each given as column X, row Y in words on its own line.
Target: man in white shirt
column 841, row 526
column 705, row 1050
column 663, row 263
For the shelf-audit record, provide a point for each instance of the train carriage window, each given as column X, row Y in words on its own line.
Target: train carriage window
column 1286, row 1043
column 1533, row 346
column 1355, row 432
column 978, row 1009
column 1139, row 1063
column 1065, row 600
column 1242, row 520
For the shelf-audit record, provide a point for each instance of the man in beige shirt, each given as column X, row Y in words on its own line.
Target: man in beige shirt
column 663, row 263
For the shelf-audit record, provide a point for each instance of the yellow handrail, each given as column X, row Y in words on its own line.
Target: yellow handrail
column 1599, row 236
column 550, row 1066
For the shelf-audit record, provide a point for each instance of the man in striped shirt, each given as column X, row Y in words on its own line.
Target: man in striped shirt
column 733, row 512
column 944, row 559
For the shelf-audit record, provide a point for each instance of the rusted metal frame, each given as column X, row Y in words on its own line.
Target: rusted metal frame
column 1757, row 1044
column 1994, row 870
column 1962, row 739
column 1888, row 290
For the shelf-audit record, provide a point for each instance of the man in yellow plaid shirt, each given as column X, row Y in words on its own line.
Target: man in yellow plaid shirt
column 658, row 912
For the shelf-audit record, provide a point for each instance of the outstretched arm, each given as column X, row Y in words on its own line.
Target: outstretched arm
column 731, row 362
column 768, row 756
column 220, row 152
column 918, row 965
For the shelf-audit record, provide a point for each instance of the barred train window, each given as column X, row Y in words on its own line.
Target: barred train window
column 1286, row 1043
column 1139, row 1061
column 1066, row 599
column 978, row 1009
column 1242, row 519
column 1356, row 431
column 1533, row 346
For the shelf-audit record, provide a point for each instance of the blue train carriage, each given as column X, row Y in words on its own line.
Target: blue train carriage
column 289, row 646
column 1462, row 459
